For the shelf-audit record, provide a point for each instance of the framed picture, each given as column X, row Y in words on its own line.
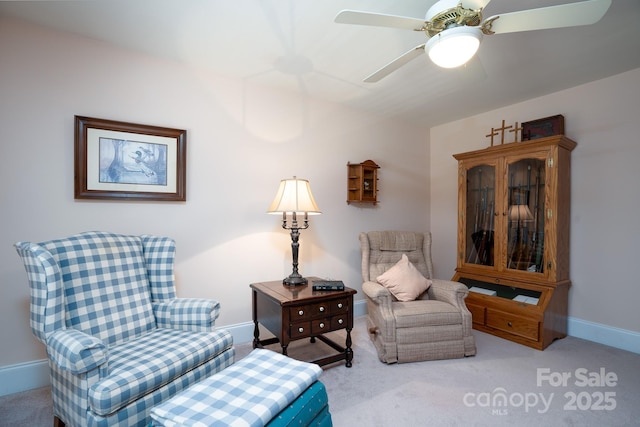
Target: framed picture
column 127, row 161
column 540, row 128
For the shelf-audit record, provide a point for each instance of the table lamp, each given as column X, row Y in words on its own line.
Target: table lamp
column 292, row 199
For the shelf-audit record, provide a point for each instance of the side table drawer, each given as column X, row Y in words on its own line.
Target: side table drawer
column 522, row 326
column 320, row 309
column 339, row 306
column 310, row 311
column 301, row 312
column 320, row 326
column 339, row 322
column 300, row 330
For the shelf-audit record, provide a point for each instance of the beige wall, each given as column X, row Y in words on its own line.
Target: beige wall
column 241, row 141
column 602, row 117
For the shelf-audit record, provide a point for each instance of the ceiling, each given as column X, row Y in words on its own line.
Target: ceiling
column 294, row 45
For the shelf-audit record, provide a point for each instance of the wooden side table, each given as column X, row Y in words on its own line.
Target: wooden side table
column 295, row 312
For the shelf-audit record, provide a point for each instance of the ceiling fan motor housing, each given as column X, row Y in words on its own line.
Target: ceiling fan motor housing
column 448, row 14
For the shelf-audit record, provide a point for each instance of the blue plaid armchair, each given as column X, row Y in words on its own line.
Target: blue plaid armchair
column 118, row 340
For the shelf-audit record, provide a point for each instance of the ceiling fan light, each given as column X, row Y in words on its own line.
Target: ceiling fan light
column 453, row 47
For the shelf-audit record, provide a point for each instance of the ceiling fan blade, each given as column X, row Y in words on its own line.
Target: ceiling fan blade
column 395, row 64
column 566, row 15
column 475, row 4
column 378, row 20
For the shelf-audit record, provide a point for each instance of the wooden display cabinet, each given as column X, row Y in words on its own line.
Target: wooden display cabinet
column 513, row 238
column 362, row 182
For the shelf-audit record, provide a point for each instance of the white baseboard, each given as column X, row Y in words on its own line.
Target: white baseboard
column 30, row 375
column 24, row 376
column 603, row 334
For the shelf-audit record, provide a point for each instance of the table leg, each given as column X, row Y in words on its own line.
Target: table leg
column 348, row 351
column 254, row 312
column 256, row 334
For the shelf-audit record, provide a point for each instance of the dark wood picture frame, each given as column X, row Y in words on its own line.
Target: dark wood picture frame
column 126, row 161
column 548, row 126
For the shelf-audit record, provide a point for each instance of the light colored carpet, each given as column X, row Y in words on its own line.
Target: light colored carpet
column 497, row 387
column 468, row 392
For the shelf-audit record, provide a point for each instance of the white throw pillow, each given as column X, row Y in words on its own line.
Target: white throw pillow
column 404, row 280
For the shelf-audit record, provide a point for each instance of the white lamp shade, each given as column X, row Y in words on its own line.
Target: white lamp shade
column 455, row 46
column 294, row 195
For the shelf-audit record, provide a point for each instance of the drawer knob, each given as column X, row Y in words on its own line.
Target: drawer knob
column 321, row 325
column 340, row 321
column 301, row 330
column 321, row 309
column 509, row 324
column 339, row 305
column 301, row 312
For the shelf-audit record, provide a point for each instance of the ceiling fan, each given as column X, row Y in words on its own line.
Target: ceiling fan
column 456, row 27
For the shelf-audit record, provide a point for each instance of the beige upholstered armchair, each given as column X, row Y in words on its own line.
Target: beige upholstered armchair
column 406, row 323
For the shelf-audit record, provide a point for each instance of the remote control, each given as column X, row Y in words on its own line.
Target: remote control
column 328, row 285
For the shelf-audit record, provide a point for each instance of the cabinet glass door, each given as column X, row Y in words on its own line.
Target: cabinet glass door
column 368, row 184
column 480, row 209
column 526, row 195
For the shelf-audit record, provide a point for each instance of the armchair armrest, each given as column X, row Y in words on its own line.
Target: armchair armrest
column 452, row 292
column 75, row 351
column 380, row 310
column 376, row 292
column 194, row 314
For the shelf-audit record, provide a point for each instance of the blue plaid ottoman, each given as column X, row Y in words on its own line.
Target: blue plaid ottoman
column 263, row 389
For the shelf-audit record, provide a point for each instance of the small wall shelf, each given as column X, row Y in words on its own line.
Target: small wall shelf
column 362, row 182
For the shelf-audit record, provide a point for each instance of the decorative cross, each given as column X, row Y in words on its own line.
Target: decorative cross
column 502, row 129
column 516, row 129
column 492, row 134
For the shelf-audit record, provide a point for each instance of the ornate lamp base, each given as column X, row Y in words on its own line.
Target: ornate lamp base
column 294, row 280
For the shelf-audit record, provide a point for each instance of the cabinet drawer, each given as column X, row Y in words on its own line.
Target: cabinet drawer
column 339, row 306
column 320, row 326
column 338, row 322
column 320, row 309
column 311, row 310
column 522, row 326
column 300, row 330
column 323, row 309
column 301, row 312
column 477, row 313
